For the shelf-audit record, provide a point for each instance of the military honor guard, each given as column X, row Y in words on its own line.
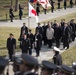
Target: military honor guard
column 11, row 15
column 3, row 64
column 48, row 68
column 11, row 45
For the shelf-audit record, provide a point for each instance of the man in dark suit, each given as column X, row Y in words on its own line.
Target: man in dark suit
column 66, row 36
column 59, row 4
column 52, row 5
column 11, row 45
column 57, row 35
column 11, row 14
column 71, row 3
column 24, row 29
column 37, row 43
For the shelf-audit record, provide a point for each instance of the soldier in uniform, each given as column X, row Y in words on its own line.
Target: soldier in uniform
column 20, row 12
column 65, row 70
column 37, row 8
column 11, row 14
column 48, row 68
column 59, row 4
column 11, row 45
column 57, row 59
column 71, row 3
column 27, row 64
column 37, row 43
column 3, row 64
column 65, row 4
column 52, row 5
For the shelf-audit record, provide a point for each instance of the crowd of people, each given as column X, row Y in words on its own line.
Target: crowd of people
column 47, row 35
column 52, row 3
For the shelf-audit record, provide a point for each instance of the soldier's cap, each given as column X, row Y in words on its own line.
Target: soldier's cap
column 56, row 49
column 48, row 65
column 3, row 62
column 67, row 69
column 29, row 60
column 17, row 59
column 74, row 65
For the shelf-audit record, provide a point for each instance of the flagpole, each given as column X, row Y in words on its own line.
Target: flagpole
column 28, row 18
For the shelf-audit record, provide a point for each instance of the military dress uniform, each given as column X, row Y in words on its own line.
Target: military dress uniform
column 29, row 63
column 3, row 63
column 48, row 68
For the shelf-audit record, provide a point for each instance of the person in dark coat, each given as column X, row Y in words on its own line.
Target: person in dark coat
column 65, row 4
column 11, row 45
column 72, row 24
column 57, row 58
column 59, row 4
column 37, row 8
column 44, row 28
column 66, row 36
column 24, row 29
column 37, row 43
column 20, row 12
column 57, row 35
column 25, row 44
column 11, row 15
column 52, row 5
column 31, row 40
column 71, row 3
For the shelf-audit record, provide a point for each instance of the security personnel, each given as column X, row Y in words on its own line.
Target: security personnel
column 3, row 64
column 37, row 43
column 11, row 15
column 31, row 40
column 28, row 64
column 48, row 68
column 65, row 70
column 20, row 12
column 65, row 4
column 11, row 45
column 57, row 58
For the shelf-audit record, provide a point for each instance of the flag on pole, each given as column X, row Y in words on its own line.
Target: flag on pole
column 32, row 12
column 44, row 3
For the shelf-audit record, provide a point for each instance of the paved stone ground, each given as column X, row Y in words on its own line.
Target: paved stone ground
column 46, row 53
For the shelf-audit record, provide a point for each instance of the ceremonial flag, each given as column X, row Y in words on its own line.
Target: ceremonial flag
column 32, row 12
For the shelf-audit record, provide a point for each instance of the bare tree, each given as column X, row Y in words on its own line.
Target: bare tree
column 16, row 5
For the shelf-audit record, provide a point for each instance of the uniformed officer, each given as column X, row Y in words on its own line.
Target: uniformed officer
column 57, row 58
column 65, row 70
column 65, row 4
column 3, row 64
column 37, row 8
column 71, row 3
column 59, row 4
column 48, row 68
column 11, row 45
column 11, row 15
column 20, row 12
column 28, row 64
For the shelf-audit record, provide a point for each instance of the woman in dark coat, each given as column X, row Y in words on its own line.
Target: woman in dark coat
column 57, row 59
